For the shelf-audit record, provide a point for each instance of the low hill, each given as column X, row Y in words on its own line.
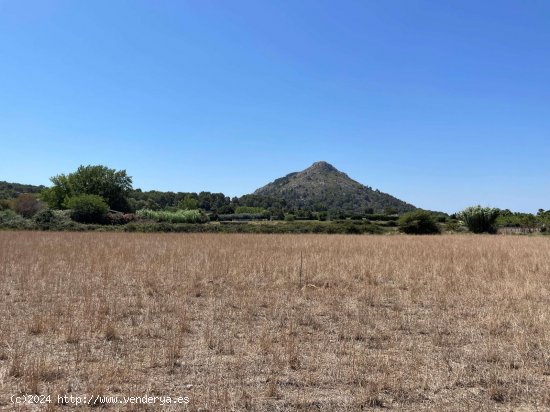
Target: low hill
column 323, row 187
column 12, row 190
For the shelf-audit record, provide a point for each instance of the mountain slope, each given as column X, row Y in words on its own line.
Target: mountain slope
column 323, row 187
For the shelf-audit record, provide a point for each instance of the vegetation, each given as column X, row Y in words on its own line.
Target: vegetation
column 418, row 222
column 480, row 219
column 27, row 205
column 59, row 220
column 12, row 190
column 6, row 204
column 259, row 318
column 322, row 187
column 250, row 210
column 241, row 216
column 180, row 216
column 189, row 202
column 238, row 227
column 88, row 208
column 319, row 194
column 506, row 218
column 156, row 200
column 112, row 185
column 11, row 220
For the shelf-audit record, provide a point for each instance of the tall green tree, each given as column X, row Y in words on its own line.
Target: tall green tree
column 112, row 185
column 188, row 203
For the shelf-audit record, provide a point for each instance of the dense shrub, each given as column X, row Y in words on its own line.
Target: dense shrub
column 352, row 229
column 48, row 219
column 11, row 220
column 27, row 205
column 119, row 218
column 225, row 210
column 6, row 204
column 479, row 219
column 88, row 208
column 418, row 222
column 45, row 218
column 250, row 210
column 453, row 225
column 380, row 217
column 238, row 227
column 526, row 220
column 179, row 216
column 241, row 216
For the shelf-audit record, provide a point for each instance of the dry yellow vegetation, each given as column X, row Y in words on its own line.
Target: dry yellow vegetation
column 238, row 322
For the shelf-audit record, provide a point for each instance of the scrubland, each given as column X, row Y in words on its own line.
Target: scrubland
column 277, row 322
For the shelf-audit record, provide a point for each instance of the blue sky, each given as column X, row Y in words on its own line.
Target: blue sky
column 443, row 104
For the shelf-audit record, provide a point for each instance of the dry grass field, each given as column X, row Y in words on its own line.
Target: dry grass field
column 238, row 322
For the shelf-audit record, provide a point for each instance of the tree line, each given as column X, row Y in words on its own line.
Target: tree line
column 96, row 194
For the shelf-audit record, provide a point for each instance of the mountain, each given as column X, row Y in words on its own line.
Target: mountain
column 323, row 187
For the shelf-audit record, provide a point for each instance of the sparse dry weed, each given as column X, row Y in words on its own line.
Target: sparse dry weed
column 278, row 322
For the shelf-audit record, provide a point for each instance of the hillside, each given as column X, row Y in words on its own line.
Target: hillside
column 12, row 190
column 323, row 187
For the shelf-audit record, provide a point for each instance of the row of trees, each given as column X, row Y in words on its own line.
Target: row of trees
column 92, row 193
column 476, row 218
column 75, row 191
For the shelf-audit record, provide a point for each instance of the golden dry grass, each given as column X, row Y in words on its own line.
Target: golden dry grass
column 405, row 323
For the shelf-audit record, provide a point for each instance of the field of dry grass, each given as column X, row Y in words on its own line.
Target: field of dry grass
column 238, row 322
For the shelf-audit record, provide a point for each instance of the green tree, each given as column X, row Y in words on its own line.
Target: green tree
column 418, row 222
column 250, row 209
column 55, row 196
column 188, row 203
column 88, row 208
column 112, row 185
column 479, row 219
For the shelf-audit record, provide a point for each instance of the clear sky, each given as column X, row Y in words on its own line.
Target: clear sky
column 441, row 103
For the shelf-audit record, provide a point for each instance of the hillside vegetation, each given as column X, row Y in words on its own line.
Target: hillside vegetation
column 319, row 199
column 323, row 187
column 12, row 190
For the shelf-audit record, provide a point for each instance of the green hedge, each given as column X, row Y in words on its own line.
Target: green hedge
column 179, row 216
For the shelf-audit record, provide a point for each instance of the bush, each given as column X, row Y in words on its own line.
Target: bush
column 250, row 210
column 88, row 208
column 453, row 225
column 352, row 229
column 6, row 204
column 27, row 205
column 11, row 220
column 119, row 218
column 479, row 219
column 239, row 227
column 45, row 218
column 241, row 216
column 379, row 216
column 418, row 222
